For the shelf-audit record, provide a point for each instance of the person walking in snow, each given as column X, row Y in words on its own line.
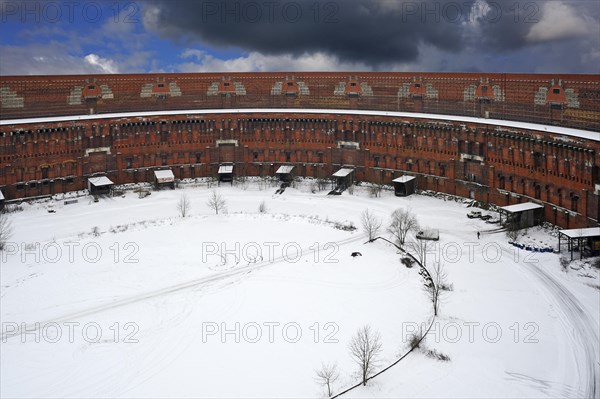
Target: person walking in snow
column 478, row 235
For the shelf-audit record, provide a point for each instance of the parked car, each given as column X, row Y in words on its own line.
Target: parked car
column 493, row 221
column 474, row 214
column 486, row 217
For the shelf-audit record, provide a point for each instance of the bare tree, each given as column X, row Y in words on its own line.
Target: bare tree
column 243, row 182
column 212, row 180
column 323, row 183
column 371, row 224
column 216, row 202
column 6, row 230
column 327, row 375
column 512, row 230
column 365, row 348
column 420, row 248
column 437, row 287
column 402, row 221
column 375, row 190
column 262, row 208
column 184, row 205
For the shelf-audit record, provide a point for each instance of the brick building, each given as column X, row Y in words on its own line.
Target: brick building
column 499, row 138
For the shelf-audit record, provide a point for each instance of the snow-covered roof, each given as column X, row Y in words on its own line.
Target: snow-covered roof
column 164, row 176
column 284, row 169
column 1, row 196
column 526, row 206
column 403, row 179
column 100, row 181
column 582, row 233
column 343, row 172
column 224, row 169
column 585, row 134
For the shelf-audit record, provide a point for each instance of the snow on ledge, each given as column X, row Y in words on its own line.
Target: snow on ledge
column 584, row 134
column 100, row 181
column 403, row 179
column 526, row 206
column 164, row 176
column 284, row 169
column 582, row 233
column 343, row 172
column 225, row 169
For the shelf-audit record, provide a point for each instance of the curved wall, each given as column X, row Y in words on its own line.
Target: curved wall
column 471, row 157
column 565, row 100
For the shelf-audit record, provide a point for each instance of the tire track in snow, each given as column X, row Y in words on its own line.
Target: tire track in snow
column 580, row 328
column 163, row 291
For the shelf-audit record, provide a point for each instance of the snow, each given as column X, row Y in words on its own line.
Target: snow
column 403, row 179
column 100, row 181
column 184, row 285
column 164, row 176
column 285, row 169
column 584, row 134
column 225, row 169
column 1, row 196
column 525, row 206
column 343, row 172
column 582, row 233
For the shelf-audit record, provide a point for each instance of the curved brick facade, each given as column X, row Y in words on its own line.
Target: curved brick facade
column 492, row 163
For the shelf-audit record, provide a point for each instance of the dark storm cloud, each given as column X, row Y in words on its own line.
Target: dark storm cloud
column 370, row 31
column 375, row 32
column 504, row 26
column 508, row 25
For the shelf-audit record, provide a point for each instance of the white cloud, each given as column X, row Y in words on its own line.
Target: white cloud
column 151, row 19
column 57, row 59
column 105, row 64
column 558, row 21
column 258, row 62
column 51, row 59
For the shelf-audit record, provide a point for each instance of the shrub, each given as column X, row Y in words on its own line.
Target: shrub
column 11, row 208
column 447, row 287
column 375, row 190
column 407, row 261
column 347, row 226
column 434, row 354
column 564, row 263
column 414, row 340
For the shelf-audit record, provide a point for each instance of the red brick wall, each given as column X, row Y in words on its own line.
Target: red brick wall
column 509, row 96
column 494, row 164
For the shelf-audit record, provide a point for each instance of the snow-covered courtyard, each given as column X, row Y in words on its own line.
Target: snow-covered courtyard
column 125, row 298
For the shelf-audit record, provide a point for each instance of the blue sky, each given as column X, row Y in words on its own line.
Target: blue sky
column 81, row 36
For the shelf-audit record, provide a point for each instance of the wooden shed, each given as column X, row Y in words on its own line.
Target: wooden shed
column 344, row 178
column 404, row 186
column 524, row 215
column 226, row 173
column 285, row 173
column 583, row 240
column 100, row 185
column 164, row 178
